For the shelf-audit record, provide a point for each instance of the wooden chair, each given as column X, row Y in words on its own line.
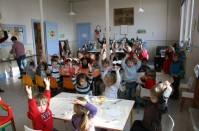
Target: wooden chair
column 53, row 85
column 68, row 85
column 6, row 120
column 27, row 81
column 39, row 82
column 188, row 85
column 186, row 96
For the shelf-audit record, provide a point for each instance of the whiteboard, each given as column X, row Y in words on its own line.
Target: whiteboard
column 124, row 30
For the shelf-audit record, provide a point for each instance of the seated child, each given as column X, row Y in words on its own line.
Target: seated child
column 30, row 70
column 41, row 69
column 39, row 112
column 154, row 110
column 112, row 82
column 82, row 82
column 144, row 67
column 54, row 70
column 149, row 79
column 84, row 112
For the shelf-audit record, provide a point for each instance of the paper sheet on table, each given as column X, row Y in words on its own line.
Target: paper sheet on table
column 112, row 112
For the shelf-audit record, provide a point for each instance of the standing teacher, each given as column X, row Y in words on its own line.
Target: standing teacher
column 5, row 37
column 19, row 51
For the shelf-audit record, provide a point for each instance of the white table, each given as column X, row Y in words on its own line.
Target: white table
column 109, row 115
column 159, row 77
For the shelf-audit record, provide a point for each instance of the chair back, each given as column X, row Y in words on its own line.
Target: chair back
column 27, row 81
column 7, row 108
column 167, row 123
column 53, row 82
column 67, row 83
column 190, row 82
column 28, row 129
column 39, row 81
column 145, row 92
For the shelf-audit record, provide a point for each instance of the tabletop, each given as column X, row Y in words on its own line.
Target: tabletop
column 111, row 114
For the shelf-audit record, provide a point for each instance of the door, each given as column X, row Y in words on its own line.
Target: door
column 51, row 36
column 83, row 34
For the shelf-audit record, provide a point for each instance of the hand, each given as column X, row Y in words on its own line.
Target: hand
column 109, row 67
column 76, row 69
column 47, row 82
column 90, row 67
column 76, row 101
column 127, row 55
column 29, row 91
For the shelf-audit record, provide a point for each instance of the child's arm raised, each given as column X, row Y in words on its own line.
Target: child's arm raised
column 90, row 75
column 29, row 91
column 106, row 71
column 123, row 61
column 47, row 91
column 117, row 69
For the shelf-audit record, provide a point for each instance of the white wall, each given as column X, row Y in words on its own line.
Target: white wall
column 21, row 12
column 192, row 57
column 160, row 19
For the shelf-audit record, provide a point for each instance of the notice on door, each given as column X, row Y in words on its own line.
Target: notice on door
column 84, row 35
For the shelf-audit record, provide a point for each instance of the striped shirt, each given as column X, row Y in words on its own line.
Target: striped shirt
column 55, row 72
column 80, row 89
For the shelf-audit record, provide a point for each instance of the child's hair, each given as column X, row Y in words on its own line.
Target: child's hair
column 110, row 79
column 68, row 60
column 32, row 64
column 131, row 59
column 81, row 76
column 75, row 62
column 53, row 60
column 150, row 73
column 38, row 70
column 156, row 90
column 144, row 59
column 40, row 98
column 82, row 111
column 105, row 61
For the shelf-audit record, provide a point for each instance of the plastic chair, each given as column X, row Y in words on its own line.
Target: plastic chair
column 67, row 84
column 167, row 123
column 53, row 85
column 28, row 129
column 188, row 85
column 27, row 81
column 186, row 96
column 6, row 120
column 39, row 81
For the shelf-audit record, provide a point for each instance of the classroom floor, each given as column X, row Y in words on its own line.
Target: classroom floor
column 18, row 102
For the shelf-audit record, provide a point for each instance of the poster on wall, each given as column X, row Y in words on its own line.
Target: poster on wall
column 14, row 30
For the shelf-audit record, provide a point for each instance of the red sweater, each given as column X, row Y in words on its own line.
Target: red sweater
column 41, row 121
column 149, row 82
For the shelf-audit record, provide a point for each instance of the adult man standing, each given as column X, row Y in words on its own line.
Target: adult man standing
column 19, row 51
column 5, row 37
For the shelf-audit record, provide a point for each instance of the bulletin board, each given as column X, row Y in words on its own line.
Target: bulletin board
column 14, row 30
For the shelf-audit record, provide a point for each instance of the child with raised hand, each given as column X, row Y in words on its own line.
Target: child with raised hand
column 112, row 82
column 82, row 81
column 154, row 110
column 130, row 75
column 149, row 79
column 39, row 112
column 84, row 112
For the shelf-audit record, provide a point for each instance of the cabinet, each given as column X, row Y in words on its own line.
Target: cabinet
column 196, row 95
column 124, row 16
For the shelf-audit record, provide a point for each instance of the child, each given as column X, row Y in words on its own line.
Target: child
column 112, row 82
column 154, row 110
column 174, row 69
column 82, row 82
column 84, row 112
column 30, row 70
column 41, row 69
column 144, row 67
column 54, row 70
column 39, row 111
column 130, row 75
column 149, row 79
column 167, row 62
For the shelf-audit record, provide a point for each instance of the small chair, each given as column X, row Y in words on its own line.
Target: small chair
column 167, row 123
column 68, row 85
column 39, row 81
column 28, row 129
column 186, row 95
column 6, row 120
column 27, row 81
column 188, row 85
column 53, row 85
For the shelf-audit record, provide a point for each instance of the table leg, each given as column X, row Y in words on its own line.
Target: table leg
column 131, row 121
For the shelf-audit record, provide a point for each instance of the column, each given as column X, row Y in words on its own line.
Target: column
column 182, row 23
column 187, row 25
column 107, row 29
column 42, row 27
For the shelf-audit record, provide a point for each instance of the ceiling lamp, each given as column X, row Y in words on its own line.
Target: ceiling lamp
column 71, row 8
column 140, row 9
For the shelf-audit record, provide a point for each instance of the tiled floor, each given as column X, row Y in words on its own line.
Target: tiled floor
column 13, row 97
